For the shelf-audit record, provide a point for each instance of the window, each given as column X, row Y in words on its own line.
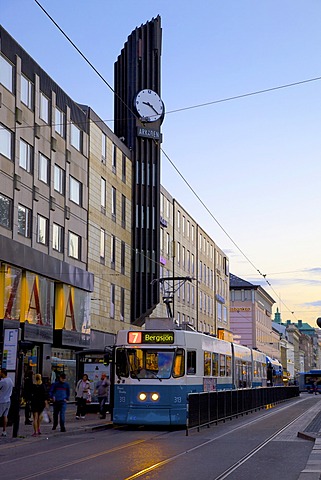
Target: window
column 112, row 251
column 124, row 168
column 113, row 203
column 114, row 159
column 6, row 73
column 103, row 147
column 103, row 193
column 42, row 230
column 57, row 237
column 43, row 173
column 207, row 364
column 26, row 92
column 26, row 155
column 102, row 243
column 215, row 364
column 122, row 257
column 59, row 122
column 6, row 139
column 5, row 211
column 122, row 304
column 24, row 221
column 191, row 362
column 123, row 211
column 75, row 136
column 74, row 245
column 75, row 190
column 112, row 300
column 59, row 180
column 44, row 108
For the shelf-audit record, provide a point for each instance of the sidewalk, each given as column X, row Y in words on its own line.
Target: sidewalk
column 90, row 423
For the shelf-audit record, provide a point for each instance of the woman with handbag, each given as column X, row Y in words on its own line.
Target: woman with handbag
column 83, row 396
column 39, row 399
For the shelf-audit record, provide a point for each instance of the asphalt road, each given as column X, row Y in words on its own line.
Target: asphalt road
column 260, row 445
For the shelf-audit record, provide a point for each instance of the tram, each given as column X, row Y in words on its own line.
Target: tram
column 155, row 370
column 310, row 381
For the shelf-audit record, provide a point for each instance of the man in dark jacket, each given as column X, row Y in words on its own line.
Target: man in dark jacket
column 60, row 393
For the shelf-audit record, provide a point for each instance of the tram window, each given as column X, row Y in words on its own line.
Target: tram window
column 179, row 361
column 228, row 365
column 215, row 364
column 191, row 362
column 207, row 364
column 222, row 366
column 121, row 363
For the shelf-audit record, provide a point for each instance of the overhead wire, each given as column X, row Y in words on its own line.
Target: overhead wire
column 187, row 108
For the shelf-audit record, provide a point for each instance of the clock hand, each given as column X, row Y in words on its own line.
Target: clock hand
column 151, row 106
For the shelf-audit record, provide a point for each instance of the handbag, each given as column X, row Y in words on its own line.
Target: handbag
column 45, row 416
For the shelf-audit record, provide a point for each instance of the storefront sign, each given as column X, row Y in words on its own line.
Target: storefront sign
column 10, row 346
column 37, row 333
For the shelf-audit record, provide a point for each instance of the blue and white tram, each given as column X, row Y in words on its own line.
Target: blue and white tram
column 155, row 371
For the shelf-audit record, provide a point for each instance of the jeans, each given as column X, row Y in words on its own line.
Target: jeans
column 59, row 408
column 102, row 402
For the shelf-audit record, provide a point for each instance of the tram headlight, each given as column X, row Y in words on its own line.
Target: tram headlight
column 154, row 396
column 142, row 396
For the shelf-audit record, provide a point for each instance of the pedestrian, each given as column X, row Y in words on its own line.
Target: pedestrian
column 6, row 387
column 60, row 393
column 102, row 389
column 83, row 396
column 27, row 391
column 39, row 399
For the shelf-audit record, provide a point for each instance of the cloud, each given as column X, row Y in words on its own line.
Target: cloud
column 317, row 303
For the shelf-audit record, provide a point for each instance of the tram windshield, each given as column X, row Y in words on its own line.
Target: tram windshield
column 146, row 363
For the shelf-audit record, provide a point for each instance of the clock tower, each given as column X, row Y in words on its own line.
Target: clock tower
column 138, row 113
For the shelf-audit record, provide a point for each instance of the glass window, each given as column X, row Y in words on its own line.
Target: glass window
column 6, row 138
column 122, row 304
column 75, row 190
column 42, row 230
column 26, row 92
column 43, row 173
column 215, row 364
column 26, row 156
column 59, row 122
column 5, row 211
column 114, row 159
column 123, row 211
column 222, row 365
column 112, row 300
column 207, row 364
column 122, row 257
column 57, row 237
column 191, row 362
column 112, row 251
column 103, row 192
column 102, row 243
column 59, row 179
column 113, row 202
column 75, row 137
column 103, row 147
column 44, row 108
column 6, row 73
column 24, row 221
column 124, row 168
column 74, row 245
column 178, row 365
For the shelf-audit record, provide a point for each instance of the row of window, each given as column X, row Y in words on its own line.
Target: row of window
column 113, row 253
column 42, row 228
column 185, row 226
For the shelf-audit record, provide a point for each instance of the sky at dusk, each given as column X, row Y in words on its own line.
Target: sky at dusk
column 241, row 138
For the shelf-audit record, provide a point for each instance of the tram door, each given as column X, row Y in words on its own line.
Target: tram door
column 91, row 363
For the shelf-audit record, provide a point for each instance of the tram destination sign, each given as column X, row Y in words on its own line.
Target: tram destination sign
column 151, row 338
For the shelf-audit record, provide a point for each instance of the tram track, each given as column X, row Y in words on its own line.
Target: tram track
column 43, row 472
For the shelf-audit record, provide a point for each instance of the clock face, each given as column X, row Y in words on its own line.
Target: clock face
column 149, row 106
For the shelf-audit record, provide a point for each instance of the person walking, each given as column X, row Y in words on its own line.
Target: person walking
column 6, row 387
column 82, row 396
column 27, row 392
column 39, row 398
column 60, row 393
column 102, row 389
